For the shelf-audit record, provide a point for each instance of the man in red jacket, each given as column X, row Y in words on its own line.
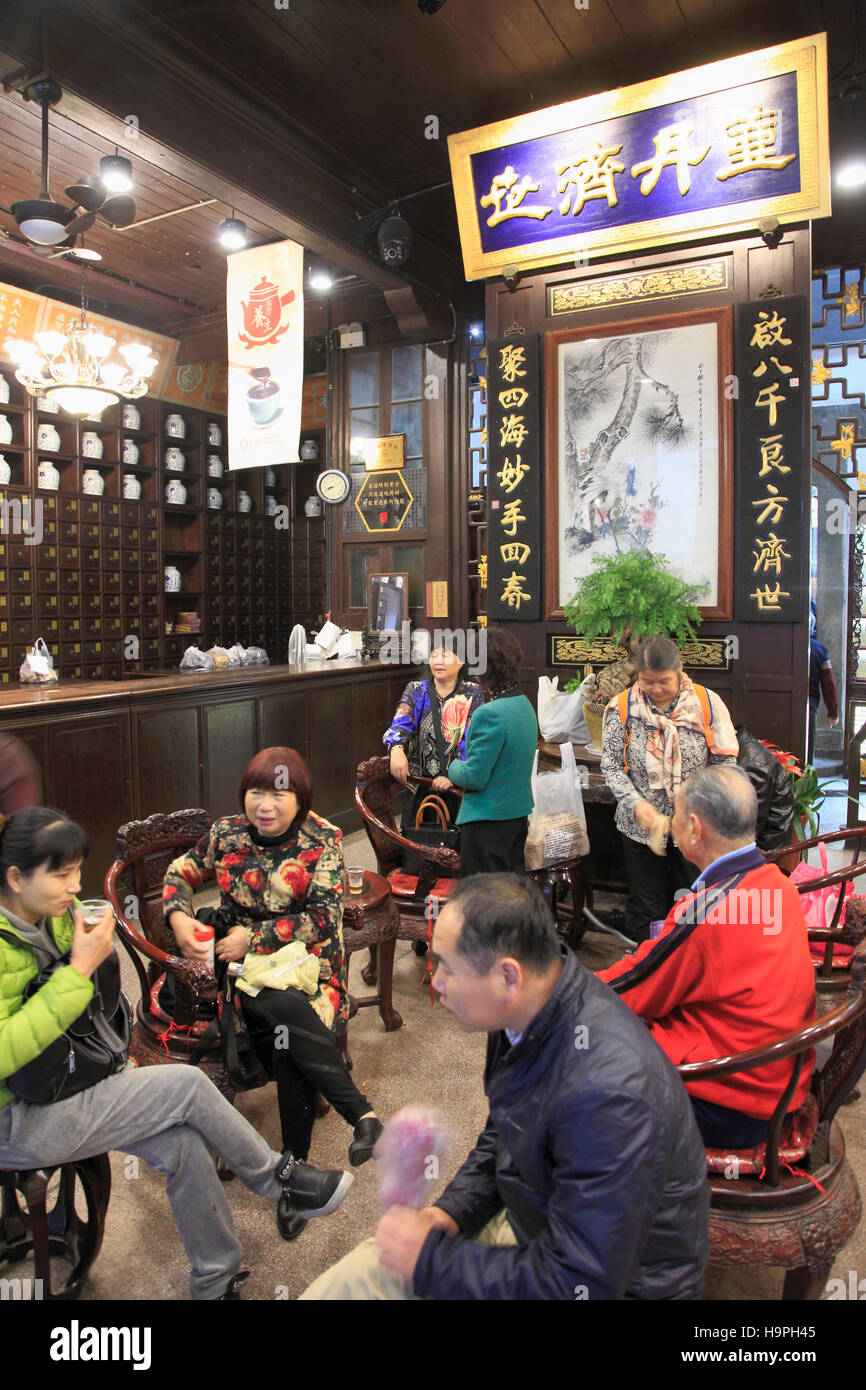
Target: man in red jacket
column 730, row 969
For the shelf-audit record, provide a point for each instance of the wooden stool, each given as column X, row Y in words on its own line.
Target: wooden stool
column 567, row 871
column 371, row 919
column 56, row 1231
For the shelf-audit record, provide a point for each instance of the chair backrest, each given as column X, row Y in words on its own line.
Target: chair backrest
column 145, row 848
column 374, row 788
column 853, row 932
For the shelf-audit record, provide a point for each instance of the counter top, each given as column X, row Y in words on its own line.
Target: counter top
column 23, row 697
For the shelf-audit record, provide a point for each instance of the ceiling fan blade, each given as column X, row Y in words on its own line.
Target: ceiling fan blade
column 82, row 223
column 118, row 210
column 88, row 192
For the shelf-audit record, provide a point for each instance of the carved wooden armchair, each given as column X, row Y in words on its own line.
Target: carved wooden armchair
column 375, row 789
column 792, row 1201
column 133, row 886
column 833, row 975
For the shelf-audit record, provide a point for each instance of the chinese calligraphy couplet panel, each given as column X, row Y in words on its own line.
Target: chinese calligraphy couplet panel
column 771, row 361
column 701, row 151
column 514, row 479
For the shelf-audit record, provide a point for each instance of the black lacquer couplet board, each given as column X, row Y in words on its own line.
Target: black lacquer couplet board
column 514, row 483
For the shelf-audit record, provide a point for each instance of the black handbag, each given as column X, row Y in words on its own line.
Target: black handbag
column 92, row 1048
column 439, row 833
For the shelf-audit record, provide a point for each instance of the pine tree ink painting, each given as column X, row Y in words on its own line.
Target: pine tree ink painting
column 638, row 450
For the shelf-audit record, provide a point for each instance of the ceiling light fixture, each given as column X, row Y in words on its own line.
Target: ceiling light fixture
column 320, row 279
column 851, row 175
column 115, row 171
column 73, row 367
column 233, row 233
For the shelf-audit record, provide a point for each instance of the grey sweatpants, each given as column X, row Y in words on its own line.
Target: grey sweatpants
column 167, row 1115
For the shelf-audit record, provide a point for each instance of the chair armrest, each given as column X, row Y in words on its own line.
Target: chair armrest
column 195, row 974
column 783, row 1047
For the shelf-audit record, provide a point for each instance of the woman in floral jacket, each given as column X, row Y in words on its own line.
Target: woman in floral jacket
column 411, row 739
column 279, row 867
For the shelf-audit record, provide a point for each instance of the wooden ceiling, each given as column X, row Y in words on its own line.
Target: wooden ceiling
column 314, row 114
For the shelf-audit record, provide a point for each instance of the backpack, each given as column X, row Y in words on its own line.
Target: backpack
column 623, row 706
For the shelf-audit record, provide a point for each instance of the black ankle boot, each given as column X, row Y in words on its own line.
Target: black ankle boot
column 366, row 1133
column 233, row 1292
column 311, row 1191
column 289, row 1224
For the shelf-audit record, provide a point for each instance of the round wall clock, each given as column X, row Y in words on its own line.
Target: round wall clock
column 333, row 486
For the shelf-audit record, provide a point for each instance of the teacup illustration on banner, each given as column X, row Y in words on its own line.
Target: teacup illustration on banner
column 263, row 398
column 92, row 482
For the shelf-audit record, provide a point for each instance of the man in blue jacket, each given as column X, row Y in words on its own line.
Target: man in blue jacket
column 589, row 1180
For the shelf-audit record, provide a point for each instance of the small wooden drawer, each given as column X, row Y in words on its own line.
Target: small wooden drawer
column 149, row 627
column 91, row 533
column 93, row 650
column 149, row 649
column 90, row 581
column 131, row 537
column 130, row 581
column 47, row 581
column 150, row 538
column 150, row 603
column 129, row 561
column 154, row 665
column 149, row 515
column 111, row 603
column 50, row 509
column 111, row 535
column 91, row 603
column 110, row 559
column 47, row 605
column 93, row 673
column 68, row 509
column 111, row 627
column 70, row 652
column 70, row 582
column 212, row 525
column 21, row 629
column 90, row 556
column 113, row 650
column 151, row 583
column 70, row 629
column 227, row 545
column 175, row 647
column 258, row 547
column 70, row 532
column 130, row 514
column 243, row 584
column 150, row 561
column 110, row 512
column 89, row 510
column 70, row 557
column 18, row 555
column 112, row 671
column 131, row 605
column 94, row 627
column 111, row 581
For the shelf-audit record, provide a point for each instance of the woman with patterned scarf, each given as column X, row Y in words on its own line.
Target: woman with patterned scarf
column 415, row 746
column 656, row 735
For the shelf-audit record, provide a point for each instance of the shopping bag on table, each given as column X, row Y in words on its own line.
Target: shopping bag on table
column 38, row 665
column 557, row 826
column 560, row 714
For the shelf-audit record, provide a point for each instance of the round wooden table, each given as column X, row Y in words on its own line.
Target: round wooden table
column 371, row 918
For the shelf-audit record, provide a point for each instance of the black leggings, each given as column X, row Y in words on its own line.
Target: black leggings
column 303, row 1059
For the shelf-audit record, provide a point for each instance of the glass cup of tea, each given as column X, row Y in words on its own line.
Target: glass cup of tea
column 93, row 910
column 356, row 880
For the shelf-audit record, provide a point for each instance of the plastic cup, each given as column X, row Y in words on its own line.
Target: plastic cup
column 93, row 910
column 356, row 880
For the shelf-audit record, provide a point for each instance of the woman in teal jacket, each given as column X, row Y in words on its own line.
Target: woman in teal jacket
column 496, row 775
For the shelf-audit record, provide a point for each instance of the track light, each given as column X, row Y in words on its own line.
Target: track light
column 233, row 233
column 320, row 279
column 395, row 239
column 115, row 171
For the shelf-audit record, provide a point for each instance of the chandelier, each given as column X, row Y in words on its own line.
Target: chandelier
column 75, row 369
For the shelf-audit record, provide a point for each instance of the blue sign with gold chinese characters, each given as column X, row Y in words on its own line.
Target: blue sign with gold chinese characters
column 704, row 151
column 772, row 372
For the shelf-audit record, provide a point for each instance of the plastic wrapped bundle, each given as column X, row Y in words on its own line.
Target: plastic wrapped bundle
column 407, row 1156
column 195, row 660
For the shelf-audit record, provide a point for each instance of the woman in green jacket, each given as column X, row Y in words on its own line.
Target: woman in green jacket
column 171, row 1116
column 496, row 775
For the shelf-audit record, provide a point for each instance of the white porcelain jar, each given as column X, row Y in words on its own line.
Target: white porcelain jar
column 270, row 478
column 4, row 389
column 214, row 435
column 92, row 482
column 175, row 492
column 173, row 583
column 131, row 487
column 214, row 466
column 175, row 460
column 270, row 504
column 48, row 437
column 48, row 405
column 5, row 430
column 91, row 445
column 214, row 498
column 309, row 450
column 313, row 506
column 47, row 476
column 5, row 470
column 131, row 452
column 245, row 502
column 130, row 416
column 175, row 426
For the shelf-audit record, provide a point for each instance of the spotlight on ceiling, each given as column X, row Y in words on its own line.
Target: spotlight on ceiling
column 395, row 239
column 233, row 233
column 476, row 332
column 115, row 171
column 320, row 279
column 851, row 175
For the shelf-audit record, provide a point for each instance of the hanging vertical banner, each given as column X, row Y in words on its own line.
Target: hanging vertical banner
column 772, row 371
column 514, row 479
column 265, row 321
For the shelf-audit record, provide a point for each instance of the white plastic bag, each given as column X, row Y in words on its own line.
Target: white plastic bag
column 38, row 665
column 195, row 660
column 557, row 826
column 256, row 656
column 236, row 655
column 560, row 715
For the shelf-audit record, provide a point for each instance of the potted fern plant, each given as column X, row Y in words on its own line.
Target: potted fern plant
column 629, row 596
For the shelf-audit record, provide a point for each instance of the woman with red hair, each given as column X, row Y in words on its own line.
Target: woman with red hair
column 279, row 868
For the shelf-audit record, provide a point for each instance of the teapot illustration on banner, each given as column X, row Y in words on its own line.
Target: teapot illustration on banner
column 263, row 314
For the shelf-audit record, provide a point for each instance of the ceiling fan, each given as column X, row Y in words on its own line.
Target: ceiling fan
column 50, row 228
